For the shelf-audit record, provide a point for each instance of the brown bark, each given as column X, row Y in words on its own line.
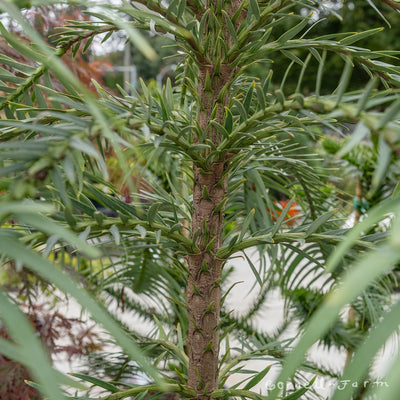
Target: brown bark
column 203, row 290
column 204, row 278
column 209, row 194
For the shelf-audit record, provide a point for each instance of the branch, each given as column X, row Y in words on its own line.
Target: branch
column 42, row 69
column 226, row 251
column 264, row 17
column 360, row 55
column 130, row 223
column 167, row 388
column 176, row 236
column 229, row 393
column 160, row 10
column 177, row 139
column 164, row 23
column 318, row 105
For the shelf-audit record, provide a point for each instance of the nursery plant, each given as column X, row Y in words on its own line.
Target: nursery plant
column 142, row 198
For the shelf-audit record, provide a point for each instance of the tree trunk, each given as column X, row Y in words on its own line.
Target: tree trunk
column 209, row 195
column 203, row 290
column 204, row 278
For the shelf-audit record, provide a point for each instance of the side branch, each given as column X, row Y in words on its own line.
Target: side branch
column 60, row 51
column 302, row 237
column 266, row 15
column 344, row 112
column 244, row 394
column 130, row 223
column 169, row 388
column 160, row 10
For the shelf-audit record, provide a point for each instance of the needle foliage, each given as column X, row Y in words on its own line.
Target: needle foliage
column 135, row 203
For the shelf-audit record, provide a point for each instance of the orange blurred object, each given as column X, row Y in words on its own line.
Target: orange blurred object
column 280, row 205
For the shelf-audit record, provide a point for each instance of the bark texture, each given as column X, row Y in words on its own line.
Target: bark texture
column 204, row 279
column 209, row 196
column 204, row 290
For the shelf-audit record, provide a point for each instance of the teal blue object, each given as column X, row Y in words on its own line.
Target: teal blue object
column 360, row 205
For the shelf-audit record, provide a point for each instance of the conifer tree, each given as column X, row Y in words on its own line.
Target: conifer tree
column 215, row 164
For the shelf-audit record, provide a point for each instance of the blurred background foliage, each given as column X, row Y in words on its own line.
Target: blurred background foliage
column 333, row 17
